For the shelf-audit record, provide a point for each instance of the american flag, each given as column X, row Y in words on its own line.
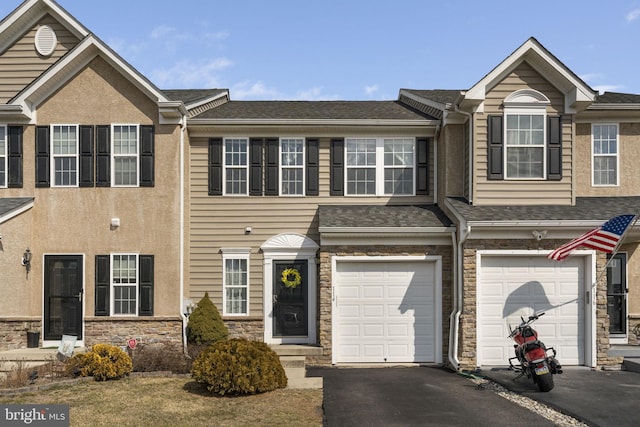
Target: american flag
column 604, row 238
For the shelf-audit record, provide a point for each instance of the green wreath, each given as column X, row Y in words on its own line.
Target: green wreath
column 291, row 278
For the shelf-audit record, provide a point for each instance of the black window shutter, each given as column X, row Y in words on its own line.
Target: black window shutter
column 312, row 167
column 554, row 148
column 337, row 167
column 42, row 156
column 147, row 161
column 215, row 166
column 272, row 176
column 14, row 179
column 422, row 165
column 495, row 148
column 103, row 156
column 145, row 285
column 255, row 167
column 86, row 157
column 102, row 285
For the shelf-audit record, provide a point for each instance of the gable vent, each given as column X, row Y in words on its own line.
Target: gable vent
column 46, row 40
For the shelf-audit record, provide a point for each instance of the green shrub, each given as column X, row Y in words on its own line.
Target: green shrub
column 238, row 366
column 103, row 362
column 205, row 324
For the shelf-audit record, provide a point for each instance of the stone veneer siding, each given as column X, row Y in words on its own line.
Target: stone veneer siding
column 250, row 328
column 13, row 332
column 468, row 324
column 116, row 331
column 325, row 285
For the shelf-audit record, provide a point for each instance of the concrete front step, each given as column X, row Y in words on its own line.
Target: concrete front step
column 293, row 359
column 631, row 364
column 624, row 351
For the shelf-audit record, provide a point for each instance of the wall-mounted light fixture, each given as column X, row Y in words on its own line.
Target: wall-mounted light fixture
column 26, row 260
column 247, row 230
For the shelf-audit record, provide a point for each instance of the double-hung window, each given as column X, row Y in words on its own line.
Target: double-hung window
column 292, row 166
column 124, row 284
column 64, row 158
column 525, row 144
column 605, row 155
column 236, row 166
column 3, row 156
column 125, row 155
column 380, row 166
column 236, row 282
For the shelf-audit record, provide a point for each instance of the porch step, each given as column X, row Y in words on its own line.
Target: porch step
column 293, row 359
column 631, row 364
column 625, row 351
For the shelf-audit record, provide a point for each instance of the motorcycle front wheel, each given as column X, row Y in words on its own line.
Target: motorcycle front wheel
column 544, row 382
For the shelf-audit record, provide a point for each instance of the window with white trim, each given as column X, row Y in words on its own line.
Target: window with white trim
column 604, row 149
column 125, row 155
column 124, row 284
column 236, row 166
column 3, row 156
column 235, row 282
column 525, row 136
column 64, row 155
column 291, row 166
column 380, row 166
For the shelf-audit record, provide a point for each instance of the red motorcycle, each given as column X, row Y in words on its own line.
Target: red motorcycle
column 534, row 359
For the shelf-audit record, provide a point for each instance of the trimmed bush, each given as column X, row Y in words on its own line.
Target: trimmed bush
column 239, row 366
column 103, row 362
column 205, row 324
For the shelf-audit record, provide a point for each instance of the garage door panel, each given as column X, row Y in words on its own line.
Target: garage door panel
column 530, row 284
column 396, row 304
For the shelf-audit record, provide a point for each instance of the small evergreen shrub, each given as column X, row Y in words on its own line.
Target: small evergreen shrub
column 205, row 324
column 239, row 366
column 103, row 362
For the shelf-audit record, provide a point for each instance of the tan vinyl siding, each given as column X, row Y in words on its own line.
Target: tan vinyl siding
column 501, row 192
column 218, row 222
column 20, row 64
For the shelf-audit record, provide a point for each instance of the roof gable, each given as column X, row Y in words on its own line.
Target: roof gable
column 23, row 106
column 578, row 95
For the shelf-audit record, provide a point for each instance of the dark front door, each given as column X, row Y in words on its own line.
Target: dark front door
column 62, row 296
column 290, row 299
column 617, row 294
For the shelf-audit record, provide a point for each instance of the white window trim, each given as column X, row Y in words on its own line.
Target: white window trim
column 302, row 167
column 112, row 285
column 113, row 156
column 593, row 155
column 528, row 110
column 379, row 167
column 4, row 158
column 53, row 157
column 235, row 253
column 224, row 167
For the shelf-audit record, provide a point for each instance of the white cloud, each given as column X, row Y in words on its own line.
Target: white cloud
column 186, row 74
column 161, row 31
column 589, row 77
column 256, row 90
column 633, row 15
column 370, row 90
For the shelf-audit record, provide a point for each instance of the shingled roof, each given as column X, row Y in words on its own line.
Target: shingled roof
column 617, row 98
column 191, row 95
column 314, row 110
column 596, row 209
column 381, row 216
column 441, row 96
column 10, row 205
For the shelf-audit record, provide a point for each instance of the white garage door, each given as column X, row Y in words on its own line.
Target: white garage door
column 510, row 286
column 385, row 312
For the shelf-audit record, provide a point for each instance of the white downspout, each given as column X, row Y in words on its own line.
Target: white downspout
column 454, row 325
column 183, row 127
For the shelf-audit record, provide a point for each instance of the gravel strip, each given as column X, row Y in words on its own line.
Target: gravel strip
column 552, row 415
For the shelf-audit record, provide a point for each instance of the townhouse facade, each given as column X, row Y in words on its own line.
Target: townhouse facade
column 413, row 230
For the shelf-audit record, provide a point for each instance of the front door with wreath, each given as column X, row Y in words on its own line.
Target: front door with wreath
column 290, row 299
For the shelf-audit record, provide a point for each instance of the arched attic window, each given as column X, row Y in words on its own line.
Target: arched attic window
column 527, row 146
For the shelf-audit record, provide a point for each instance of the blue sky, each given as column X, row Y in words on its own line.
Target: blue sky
column 357, row 49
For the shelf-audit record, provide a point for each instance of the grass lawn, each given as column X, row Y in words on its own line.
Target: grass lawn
column 175, row 401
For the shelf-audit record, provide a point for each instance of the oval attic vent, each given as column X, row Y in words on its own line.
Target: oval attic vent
column 45, row 40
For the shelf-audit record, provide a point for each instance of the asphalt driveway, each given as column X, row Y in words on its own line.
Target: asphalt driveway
column 414, row 396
